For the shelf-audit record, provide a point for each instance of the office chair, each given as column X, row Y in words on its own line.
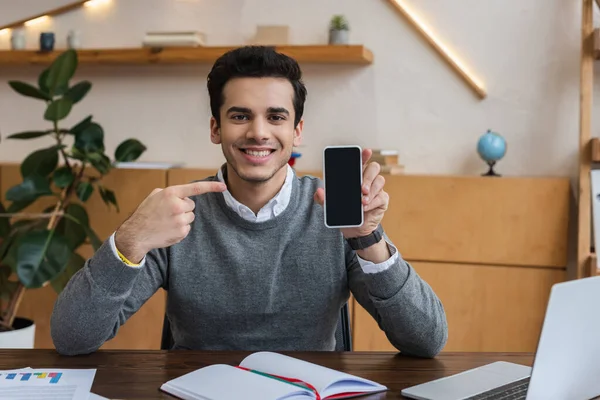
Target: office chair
column 343, row 336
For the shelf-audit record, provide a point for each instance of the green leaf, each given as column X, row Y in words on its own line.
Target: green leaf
column 81, row 126
column 41, row 257
column 40, row 162
column 63, row 177
column 17, row 206
column 4, row 223
column 29, row 190
column 75, row 263
column 90, row 139
column 58, row 109
column 43, row 81
column 61, row 71
column 84, row 191
column 29, row 134
column 100, row 161
column 77, row 155
column 78, row 92
column 108, row 196
column 73, row 225
column 28, row 90
column 79, row 216
column 129, row 150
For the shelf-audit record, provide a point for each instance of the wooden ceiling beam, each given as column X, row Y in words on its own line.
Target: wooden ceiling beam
column 57, row 11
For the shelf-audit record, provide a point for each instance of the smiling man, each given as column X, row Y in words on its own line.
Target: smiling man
column 244, row 255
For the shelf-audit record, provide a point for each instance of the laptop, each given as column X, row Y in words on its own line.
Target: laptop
column 567, row 359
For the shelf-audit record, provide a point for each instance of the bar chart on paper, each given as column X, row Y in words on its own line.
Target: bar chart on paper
column 45, row 384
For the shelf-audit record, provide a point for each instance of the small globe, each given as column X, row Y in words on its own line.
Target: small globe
column 491, row 147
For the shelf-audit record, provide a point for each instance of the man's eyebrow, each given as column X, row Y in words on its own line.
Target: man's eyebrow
column 239, row 109
column 278, row 110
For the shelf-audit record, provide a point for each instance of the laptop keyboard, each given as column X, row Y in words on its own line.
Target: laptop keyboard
column 513, row 391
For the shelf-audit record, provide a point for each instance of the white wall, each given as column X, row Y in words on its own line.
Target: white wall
column 526, row 53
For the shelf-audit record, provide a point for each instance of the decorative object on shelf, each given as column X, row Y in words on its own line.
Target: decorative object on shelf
column 17, row 39
column 271, row 35
column 47, row 40
column 388, row 160
column 339, row 30
column 41, row 248
column 491, row 147
column 173, row 39
column 74, row 39
column 294, row 156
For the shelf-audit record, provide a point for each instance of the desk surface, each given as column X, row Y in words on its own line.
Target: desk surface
column 139, row 374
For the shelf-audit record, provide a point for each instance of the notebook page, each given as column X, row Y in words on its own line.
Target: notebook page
column 318, row 376
column 225, row 382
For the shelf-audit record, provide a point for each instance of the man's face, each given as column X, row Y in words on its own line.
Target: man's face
column 257, row 130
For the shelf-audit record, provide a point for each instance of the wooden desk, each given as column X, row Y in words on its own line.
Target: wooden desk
column 139, row 374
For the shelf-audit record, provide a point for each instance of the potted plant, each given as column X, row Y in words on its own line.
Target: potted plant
column 338, row 30
column 37, row 249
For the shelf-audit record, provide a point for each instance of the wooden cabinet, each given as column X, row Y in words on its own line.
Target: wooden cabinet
column 491, row 248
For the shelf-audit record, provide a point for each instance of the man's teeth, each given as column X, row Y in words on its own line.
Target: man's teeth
column 262, row 153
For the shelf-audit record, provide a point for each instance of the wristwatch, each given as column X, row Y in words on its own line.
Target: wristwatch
column 359, row 243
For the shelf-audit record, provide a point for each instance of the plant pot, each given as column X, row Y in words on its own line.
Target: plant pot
column 338, row 36
column 22, row 337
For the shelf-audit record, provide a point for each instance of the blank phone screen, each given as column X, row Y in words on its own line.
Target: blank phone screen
column 343, row 196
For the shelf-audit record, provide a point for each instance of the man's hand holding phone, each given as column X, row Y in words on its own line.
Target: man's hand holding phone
column 375, row 200
column 161, row 220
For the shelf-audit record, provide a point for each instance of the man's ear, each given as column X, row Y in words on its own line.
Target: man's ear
column 298, row 133
column 215, row 131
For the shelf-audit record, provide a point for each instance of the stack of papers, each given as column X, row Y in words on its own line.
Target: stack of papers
column 46, row 384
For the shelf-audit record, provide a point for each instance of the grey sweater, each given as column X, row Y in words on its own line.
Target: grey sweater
column 238, row 285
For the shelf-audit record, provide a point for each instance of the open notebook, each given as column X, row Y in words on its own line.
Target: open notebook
column 269, row 376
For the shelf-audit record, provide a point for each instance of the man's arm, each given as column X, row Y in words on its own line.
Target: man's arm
column 404, row 305
column 112, row 286
column 101, row 296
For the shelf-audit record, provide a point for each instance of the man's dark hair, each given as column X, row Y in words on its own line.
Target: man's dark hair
column 259, row 62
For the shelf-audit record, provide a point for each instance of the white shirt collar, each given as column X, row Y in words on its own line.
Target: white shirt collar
column 273, row 208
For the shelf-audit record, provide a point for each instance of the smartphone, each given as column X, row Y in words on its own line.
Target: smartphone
column 342, row 176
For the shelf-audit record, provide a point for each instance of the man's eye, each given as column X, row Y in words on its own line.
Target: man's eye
column 240, row 117
column 278, row 117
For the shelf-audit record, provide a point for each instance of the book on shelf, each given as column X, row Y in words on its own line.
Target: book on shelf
column 173, row 39
column 389, row 160
column 269, row 376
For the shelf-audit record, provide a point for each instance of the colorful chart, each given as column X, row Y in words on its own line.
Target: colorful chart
column 25, row 376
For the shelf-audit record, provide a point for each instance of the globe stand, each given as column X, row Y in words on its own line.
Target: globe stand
column 491, row 171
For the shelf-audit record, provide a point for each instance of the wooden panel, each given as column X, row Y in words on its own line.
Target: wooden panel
column 489, row 308
column 319, row 54
column 505, row 221
column 143, row 330
column 187, row 175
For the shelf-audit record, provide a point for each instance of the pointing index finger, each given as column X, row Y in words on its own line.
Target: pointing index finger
column 197, row 188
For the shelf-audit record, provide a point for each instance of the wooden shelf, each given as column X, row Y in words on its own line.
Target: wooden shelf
column 319, row 54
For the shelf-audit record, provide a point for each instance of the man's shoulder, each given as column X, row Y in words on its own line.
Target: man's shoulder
column 309, row 181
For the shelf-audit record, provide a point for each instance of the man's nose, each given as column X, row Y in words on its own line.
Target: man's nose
column 259, row 130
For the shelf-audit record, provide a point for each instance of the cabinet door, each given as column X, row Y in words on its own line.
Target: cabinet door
column 488, row 308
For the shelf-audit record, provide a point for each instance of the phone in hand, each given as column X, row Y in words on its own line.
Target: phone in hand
column 342, row 176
